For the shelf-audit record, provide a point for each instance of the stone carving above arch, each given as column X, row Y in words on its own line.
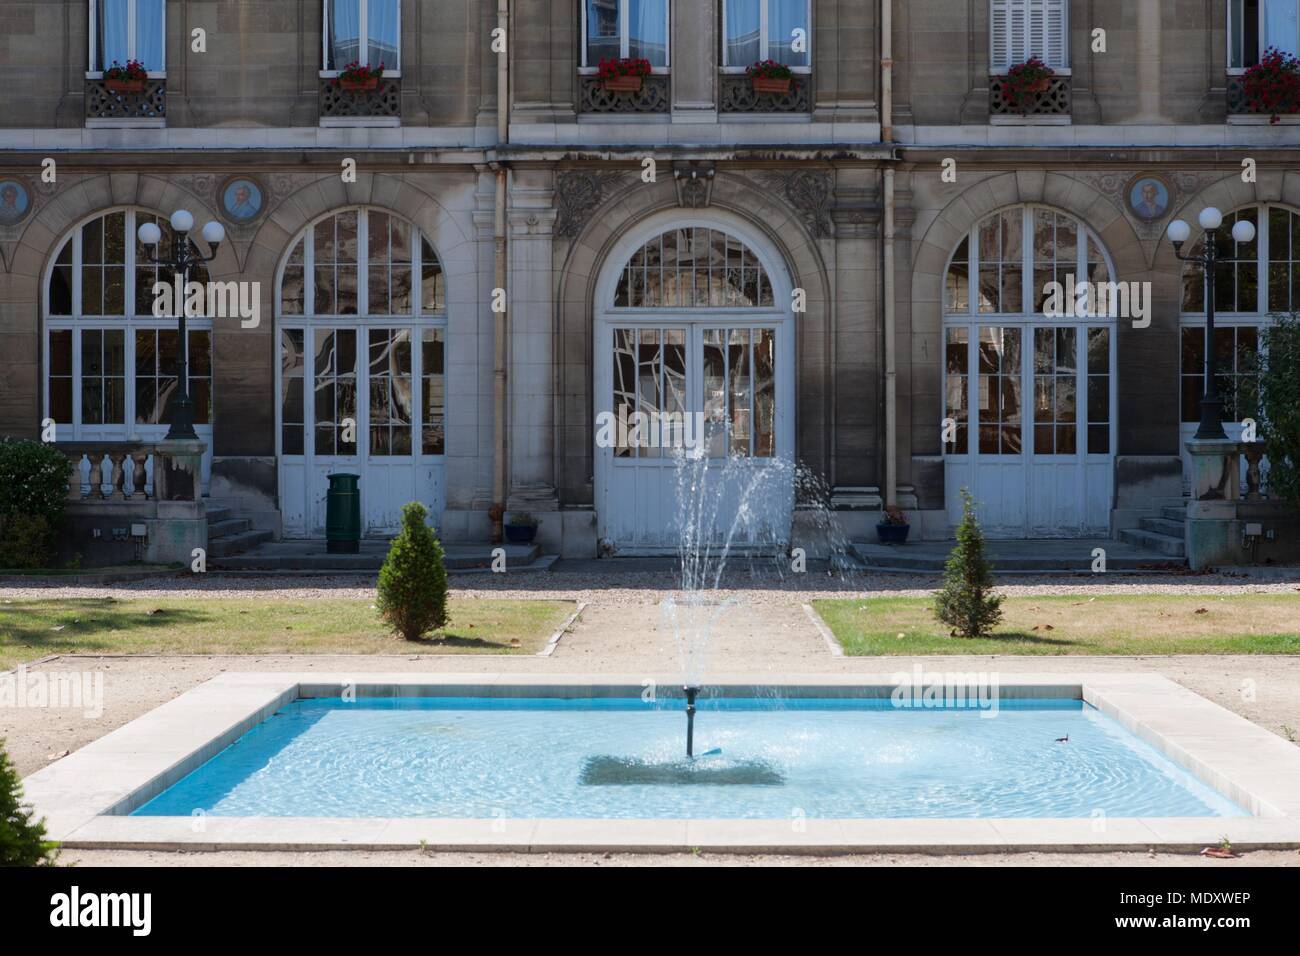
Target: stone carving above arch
column 579, row 193
column 811, row 192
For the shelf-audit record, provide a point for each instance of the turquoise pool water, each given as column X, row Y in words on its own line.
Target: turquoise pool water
column 529, row 758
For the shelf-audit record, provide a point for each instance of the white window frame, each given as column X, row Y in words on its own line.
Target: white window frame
column 1000, row 69
column 93, row 41
column 973, row 320
column 364, row 38
column 309, row 320
column 764, row 38
column 624, row 37
column 128, row 323
column 1263, row 40
column 1261, row 316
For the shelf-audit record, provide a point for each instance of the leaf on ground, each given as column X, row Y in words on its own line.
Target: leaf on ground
column 1201, row 610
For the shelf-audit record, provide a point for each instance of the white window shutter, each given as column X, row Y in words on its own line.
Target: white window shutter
column 1000, row 35
column 1020, row 29
column 1055, row 50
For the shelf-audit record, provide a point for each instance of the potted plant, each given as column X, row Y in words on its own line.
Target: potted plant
column 768, row 76
column 623, row 75
column 521, row 528
column 1025, row 82
column 893, row 526
column 356, row 78
column 126, row 79
column 1272, row 85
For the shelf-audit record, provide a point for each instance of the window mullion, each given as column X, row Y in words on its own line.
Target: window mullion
column 624, row 21
column 363, row 30
column 363, row 264
column 1027, row 257
column 763, row 38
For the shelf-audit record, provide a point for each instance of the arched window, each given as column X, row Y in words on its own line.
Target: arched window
column 694, row 362
column 111, row 362
column 718, row 291
column 1246, row 295
column 693, row 268
column 361, row 323
column 1029, row 310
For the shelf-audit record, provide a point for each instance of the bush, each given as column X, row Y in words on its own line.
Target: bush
column 33, row 491
column 22, row 839
column 26, row 542
column 1279, row 405
column 413, row 580
column 966, row 602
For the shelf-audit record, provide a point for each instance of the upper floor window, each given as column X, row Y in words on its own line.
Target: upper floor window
column 1020, row 29
column 125, row 30
column 754, row 30
column 363, row 31
column 617, row 29
column 1256, row 25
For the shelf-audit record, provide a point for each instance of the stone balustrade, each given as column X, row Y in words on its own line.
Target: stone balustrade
column 109, row 471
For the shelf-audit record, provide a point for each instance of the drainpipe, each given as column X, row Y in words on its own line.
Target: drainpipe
column 887, row 135
column 500, row 319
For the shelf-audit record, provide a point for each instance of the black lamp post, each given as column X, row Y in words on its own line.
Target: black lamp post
column 184, row 256
column 1211, row 427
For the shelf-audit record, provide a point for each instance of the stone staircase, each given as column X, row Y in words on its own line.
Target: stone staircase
column 228, row 535
column 1165, row 534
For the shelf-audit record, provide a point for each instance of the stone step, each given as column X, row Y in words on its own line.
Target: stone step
column 1169, row 526
column 215, row 513
column 1154, row 541
column 1174, row 512
column 1018, row 556
column 227, row 526
column 234, row 544
column 312, row 556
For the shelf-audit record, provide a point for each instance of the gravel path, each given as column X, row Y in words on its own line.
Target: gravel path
column 763, row 630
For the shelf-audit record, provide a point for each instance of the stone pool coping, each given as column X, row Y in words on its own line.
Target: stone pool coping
column 85, row 797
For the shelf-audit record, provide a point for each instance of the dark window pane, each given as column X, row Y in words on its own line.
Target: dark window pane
column 1098, row 439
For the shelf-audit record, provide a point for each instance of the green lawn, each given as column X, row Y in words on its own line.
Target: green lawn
column 33, row 629
column 1077, row 624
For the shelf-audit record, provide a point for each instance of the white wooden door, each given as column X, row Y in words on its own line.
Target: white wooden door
column 712, row 445
column 1036, row 444
column 366, row 399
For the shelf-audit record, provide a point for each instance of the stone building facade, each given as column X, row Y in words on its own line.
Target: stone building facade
column 522, row 249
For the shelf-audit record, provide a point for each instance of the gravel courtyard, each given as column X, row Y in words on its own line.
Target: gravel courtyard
column 762, row 629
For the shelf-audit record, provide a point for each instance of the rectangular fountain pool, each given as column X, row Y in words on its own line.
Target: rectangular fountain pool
column 545, row 757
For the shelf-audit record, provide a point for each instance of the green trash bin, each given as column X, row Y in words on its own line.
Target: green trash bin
column 343, row 515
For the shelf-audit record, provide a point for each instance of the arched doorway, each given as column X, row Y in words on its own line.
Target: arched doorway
column 111, row 364
column 694, row 360
column 361, row 376
column 1029, row 393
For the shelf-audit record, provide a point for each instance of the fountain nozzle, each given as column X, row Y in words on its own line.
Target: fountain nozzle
column 690, row 718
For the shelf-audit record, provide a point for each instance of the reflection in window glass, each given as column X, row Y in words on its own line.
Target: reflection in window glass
column 434, row 391
column 694, row 267
column 291, row 397
column 957, row 389
column 390, row 392
column 335, row 391
column 999, row 391
column 603, row 41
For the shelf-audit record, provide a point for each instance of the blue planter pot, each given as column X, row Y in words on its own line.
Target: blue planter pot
column 892, row 533
column 520, row 533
